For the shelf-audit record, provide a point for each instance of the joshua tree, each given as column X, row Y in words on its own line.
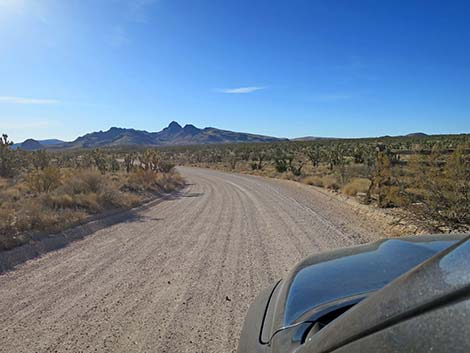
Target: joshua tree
column 7, row 157
column 99, row 160
column 314, row 154
column 129, row 160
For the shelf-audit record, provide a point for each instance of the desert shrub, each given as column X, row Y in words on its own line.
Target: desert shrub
column 88, row 202
column 281, row 165
column 447, row 197
column 382, row 179
column 288, row 176
column 99, row 159
column 396, row 197
column 44, row 180
column 7, row 217
column 93, row 181
column 416, row 194
column 111, row 198
column 40, row 159
column 313, row 180
column 356, row 186
column 60, row 201
column 82, row 182
column 169, row 182
column 4, row 183
column 296, row 167
column 34, row 215
column 11, row 194
column 141, row 179
column 165, row 167
column 330, row 182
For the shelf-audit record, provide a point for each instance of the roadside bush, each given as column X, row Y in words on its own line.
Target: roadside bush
column 92, row 180
column 141, row 180
column 88, row 202
column 82, row 182
column 148, row 180
column 165, row 167
column 313, row 180
column 356, row 186
column 60, row 201
column 33, row 215
column 170, row 182
column 7, row 218
column 44, row 180
column 112, row 198
column 330, row 182
column 281, row 165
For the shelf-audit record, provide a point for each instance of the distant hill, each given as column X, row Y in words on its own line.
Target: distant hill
column 413, row 134
column 417, row 134
column 312, row 138
column 50, row 142
column 173, row 135
column 33, row 145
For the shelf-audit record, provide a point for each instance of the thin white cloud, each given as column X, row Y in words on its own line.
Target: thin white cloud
column 22, row 100
column 241, row 90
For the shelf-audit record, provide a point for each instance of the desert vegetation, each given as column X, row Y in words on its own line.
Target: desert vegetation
column 45, row 191
column 429, row 176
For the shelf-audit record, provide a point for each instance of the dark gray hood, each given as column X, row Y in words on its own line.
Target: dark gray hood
column 442, row 279
column 327, row 281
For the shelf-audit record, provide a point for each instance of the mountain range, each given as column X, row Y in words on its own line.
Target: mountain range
column 173, row 135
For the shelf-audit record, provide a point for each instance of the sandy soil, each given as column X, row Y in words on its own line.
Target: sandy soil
column 178, row 278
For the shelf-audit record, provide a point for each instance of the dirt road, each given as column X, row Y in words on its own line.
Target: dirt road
column 180, row 277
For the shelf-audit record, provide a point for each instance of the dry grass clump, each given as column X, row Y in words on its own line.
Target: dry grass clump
column 91, row 191
column 327, row 181
column 313, row 180
column 355, row 186
column 147, row 180
column 330, row 182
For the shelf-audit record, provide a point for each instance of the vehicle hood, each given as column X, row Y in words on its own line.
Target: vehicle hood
column 345, row 276
column 444, row 278
column 353, row 272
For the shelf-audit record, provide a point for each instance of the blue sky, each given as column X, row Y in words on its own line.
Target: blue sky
column 283, row 68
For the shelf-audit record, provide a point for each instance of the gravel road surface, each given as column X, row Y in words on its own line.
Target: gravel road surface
column 180, row 276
